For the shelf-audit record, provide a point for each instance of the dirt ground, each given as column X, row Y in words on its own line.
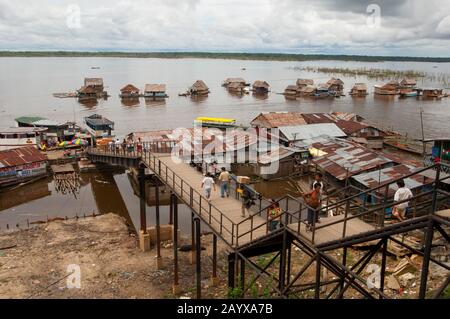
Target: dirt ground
column 111, row 265
column 38, row 263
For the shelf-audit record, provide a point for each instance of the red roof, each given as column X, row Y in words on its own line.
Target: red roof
column 318, row 118
column 21, row 156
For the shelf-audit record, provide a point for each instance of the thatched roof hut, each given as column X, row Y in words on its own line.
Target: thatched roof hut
column 261, row 87
column 199, row 87
column 304, row 82
column 359, row 89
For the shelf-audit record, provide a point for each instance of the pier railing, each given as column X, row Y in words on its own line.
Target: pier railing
column 294, row 211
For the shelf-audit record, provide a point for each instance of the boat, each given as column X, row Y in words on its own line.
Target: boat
column 409, row 94
column 15, row 137
column 99, row 126
column 216, row 122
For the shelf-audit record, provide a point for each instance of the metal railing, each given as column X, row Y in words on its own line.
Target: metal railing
column 294, row 210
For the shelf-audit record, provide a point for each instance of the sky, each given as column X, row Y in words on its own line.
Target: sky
column 374, row 27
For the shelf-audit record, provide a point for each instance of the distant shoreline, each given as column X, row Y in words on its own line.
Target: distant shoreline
column 226, row 56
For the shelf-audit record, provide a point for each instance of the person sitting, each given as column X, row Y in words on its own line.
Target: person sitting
column 274, row 215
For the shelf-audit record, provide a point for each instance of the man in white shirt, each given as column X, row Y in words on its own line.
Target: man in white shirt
column 207, row 185
column 402, row 193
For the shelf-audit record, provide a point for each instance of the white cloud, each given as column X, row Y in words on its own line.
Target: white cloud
column 300, row 26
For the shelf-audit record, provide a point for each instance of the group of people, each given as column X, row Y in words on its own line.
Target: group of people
column 313, row 199
column 127, row 145
column 224, row 180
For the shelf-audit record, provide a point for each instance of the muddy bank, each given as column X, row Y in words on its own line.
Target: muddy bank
column 38, row 263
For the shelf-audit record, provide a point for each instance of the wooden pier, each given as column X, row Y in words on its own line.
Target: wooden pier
column 249, row 236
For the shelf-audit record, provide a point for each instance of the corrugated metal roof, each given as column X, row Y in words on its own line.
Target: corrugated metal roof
column 278, row 119
column 22, row 130
column 47, row 123
column 29, row 119
column 345, row 156
column 96, row 119
column 20, row 156
column 389, row 174
column 316, row 118
column 304, row 132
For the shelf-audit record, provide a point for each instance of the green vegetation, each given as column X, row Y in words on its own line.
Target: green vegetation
column 231, row 56
column 370, row 73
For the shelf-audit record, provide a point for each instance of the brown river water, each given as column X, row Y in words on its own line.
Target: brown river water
column 27, row 85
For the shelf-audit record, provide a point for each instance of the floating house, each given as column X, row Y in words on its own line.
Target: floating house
column 359, row 90
column 21, row 164
column 277, row 119
column 129, row 91
column 323, row 90
column 16, row 137
column 199, row 88
column 261, row 87
column 155, row 91
column 305, row 91
column 364, row 134
column 440, row 152
column 369, row 180
column 239, row 81
column 433, row 93
column 390, row 88
column 93, row 88
column 237, row 88
column 54, row 129
column 336, row 86
column 408, row 83
column 99, row 126
column 291, row 91
column 342, row 159
column 297, row 133
column 301, row 83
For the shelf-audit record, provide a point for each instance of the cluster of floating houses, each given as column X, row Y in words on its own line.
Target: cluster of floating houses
column 335, row 88
column 93, row 89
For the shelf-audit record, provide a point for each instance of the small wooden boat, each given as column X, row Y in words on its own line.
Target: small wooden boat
column 409, row 94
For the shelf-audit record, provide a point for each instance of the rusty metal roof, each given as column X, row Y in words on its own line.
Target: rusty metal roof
column 343, row 156
column 389, row 174
column 316, row 118
column 350, row 127
column 277, row 119
column 20, row 156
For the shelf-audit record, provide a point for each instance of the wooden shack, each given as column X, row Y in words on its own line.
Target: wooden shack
column 433, row 93
column 408, row 83
column 129, row 91
column 237, row 88
column 199, row 88
column 155, row 91
column 21, row 164
column 390, row 88
column 304, row 83
column 336, row 86
column 92, row 88
column 359, row 90
column 291, row 91
column 309, row 90
column 261, row 87
column 229, row 81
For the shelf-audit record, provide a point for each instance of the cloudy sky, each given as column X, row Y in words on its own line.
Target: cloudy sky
column 387, row 27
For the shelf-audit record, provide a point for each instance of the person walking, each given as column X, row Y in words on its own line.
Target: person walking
column 224, row 182
column 118, row 145
column 274, row 215
column 403, row 193
column 207, row 186
column 247, row 201
column 313, row 201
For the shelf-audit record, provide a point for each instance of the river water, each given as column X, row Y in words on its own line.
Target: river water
column 27, row 85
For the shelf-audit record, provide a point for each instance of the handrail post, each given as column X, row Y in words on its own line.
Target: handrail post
column 435, row 189
column 347, row 208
